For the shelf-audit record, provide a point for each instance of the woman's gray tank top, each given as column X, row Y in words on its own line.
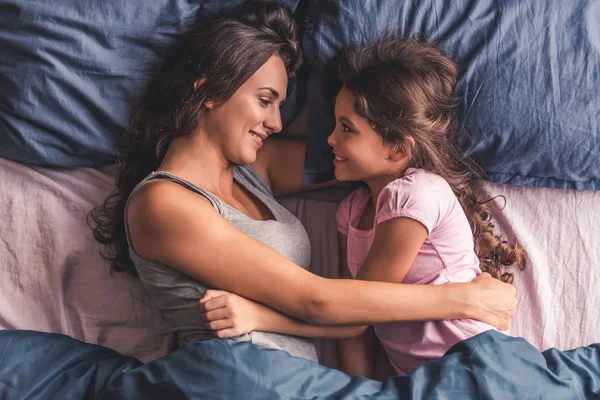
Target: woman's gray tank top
column 177, row 294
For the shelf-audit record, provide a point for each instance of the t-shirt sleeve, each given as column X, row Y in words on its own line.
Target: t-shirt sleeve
column 419, row 196
column 342, row 216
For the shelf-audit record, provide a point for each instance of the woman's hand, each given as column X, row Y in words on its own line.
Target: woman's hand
column 494, row 301
column 229, row 315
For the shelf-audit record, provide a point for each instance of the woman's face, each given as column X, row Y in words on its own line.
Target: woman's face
column 359, row 152
column 242, row 123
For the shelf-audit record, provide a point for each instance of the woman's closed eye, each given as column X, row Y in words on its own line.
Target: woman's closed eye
column 265, row 102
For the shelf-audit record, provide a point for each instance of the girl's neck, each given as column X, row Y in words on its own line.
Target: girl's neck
column 200, row 162
column 378, row 183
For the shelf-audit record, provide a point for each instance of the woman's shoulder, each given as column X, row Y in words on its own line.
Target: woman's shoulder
column 156, row 200
column 161, row 212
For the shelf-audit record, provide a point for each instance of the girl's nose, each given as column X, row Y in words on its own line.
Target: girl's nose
column 331, row 139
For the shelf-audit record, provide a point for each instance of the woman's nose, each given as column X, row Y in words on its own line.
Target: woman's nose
column 274, row 121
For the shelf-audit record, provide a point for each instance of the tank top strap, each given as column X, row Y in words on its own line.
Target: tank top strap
column 248, row 177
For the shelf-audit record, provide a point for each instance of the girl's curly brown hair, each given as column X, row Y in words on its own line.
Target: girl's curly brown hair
column 406, row 88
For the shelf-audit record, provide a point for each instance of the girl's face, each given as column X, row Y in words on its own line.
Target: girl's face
column 359, row 152
column 244, row 121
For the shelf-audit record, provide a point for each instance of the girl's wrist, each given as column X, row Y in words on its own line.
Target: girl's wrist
column 260, row 321
column 265, row 319
column 464, row 297
column 472, row 306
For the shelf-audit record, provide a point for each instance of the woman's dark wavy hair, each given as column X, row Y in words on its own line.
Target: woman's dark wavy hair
column 225, row 52
column 406, row 88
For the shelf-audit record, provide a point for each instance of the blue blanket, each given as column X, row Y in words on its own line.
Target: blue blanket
column 36, row 365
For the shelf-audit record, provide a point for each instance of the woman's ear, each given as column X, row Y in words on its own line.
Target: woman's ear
column 198, row 83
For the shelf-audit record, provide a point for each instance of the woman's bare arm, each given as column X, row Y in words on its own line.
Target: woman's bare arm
column 281, row 162
column 171, row 225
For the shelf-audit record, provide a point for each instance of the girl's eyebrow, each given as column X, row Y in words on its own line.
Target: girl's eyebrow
column 346, row 120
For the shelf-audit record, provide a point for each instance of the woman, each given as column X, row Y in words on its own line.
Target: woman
column 194, row 205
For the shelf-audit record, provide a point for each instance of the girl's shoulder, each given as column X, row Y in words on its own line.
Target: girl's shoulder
column 420, row 195
column 419, row 182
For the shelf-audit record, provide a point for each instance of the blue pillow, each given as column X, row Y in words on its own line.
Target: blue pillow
column 530, row 97
column 71, row 70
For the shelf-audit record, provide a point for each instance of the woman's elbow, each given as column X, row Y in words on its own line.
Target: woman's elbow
column 317, row 310
column 355, row 331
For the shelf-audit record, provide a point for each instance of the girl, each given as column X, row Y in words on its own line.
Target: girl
column 194, row 205
column 417, row 220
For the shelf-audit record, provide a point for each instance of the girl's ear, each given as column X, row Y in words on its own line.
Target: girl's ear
column 199, row 82
column 401, row 152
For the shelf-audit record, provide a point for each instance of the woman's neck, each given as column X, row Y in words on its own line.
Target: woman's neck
column 200, row 162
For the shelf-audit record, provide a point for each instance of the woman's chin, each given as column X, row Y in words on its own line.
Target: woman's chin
column 247, row 158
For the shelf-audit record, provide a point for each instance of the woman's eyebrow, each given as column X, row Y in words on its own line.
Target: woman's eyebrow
column 273, row 91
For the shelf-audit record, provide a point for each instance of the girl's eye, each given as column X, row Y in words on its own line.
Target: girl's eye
column 265, row 102
column 345, row 128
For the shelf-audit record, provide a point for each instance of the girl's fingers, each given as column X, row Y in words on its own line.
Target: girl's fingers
column 215, row 315
column 211, row 294
column 213, row 304
column 219, row 324
column 226, row 333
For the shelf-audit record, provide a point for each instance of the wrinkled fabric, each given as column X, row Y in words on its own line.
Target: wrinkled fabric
column 72, row 70
column 36, row 365
column 530, row 103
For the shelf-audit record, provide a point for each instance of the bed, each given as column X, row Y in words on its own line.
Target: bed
column 529, row 102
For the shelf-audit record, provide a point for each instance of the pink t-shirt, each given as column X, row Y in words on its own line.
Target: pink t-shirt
column 447, row 256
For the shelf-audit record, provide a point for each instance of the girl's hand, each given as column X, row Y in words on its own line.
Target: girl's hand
column 229, row 315
column 494, row 301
